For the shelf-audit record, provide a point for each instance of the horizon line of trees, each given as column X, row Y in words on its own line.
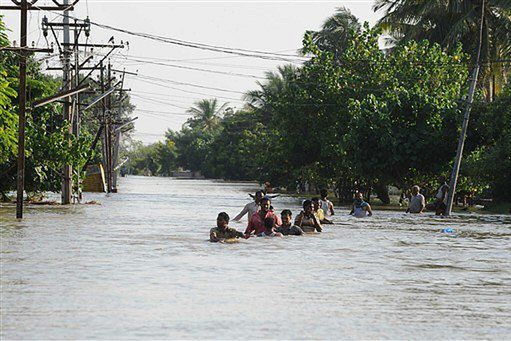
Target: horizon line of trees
column 354, row 116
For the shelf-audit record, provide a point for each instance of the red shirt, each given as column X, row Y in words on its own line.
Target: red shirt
column 257, row 224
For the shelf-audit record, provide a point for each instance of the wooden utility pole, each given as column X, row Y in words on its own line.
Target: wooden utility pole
column 466, row 117
column 24, row 6
column 108, row 131
column 22, row 106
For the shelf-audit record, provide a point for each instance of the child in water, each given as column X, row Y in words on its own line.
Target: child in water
column 269, row 229
column 316, row 205
column 286, row 228
column 222, row 231
column 360, row 208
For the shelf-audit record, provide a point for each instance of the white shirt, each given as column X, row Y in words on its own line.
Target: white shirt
column 249, row 208
column 325, row 206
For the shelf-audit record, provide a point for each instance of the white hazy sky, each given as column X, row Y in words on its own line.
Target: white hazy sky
column 256, row 25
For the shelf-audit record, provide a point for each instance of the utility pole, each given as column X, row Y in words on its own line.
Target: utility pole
column 22, row 106
column 466, row 117
column 67, row 170
column 104, row 123
column 24, row 6
column 108, row 131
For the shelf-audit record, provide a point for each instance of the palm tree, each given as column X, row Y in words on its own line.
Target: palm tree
column 276, row 83
column 449, row 22
column 336, row 31
column 206, row 114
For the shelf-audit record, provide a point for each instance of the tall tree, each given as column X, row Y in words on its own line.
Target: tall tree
column 449, row 22
column 274, row 85
column 206, row 114
column 335, row 32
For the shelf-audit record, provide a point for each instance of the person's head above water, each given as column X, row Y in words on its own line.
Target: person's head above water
column 359, row 195
column 323, row 193
column 415, row 190
column 258, row 196
column 307, row 206
column 265, row 204
column 286, row 216
column 315, row 203
column 222, row 220
column 269, row 223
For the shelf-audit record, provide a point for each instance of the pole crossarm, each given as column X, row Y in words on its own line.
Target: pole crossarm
column 94, row 45
column 126, row 123
column 26, row 49
column 100, row 63
column 58, row 96
column 32, row 7
column 126, row 72
column 99, row 98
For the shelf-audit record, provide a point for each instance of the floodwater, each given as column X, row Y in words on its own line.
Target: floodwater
column 139, row 266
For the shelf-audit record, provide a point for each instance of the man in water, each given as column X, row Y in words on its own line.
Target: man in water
column 326, row 205
column 287, row 228
column 256, row 222
column 440, row 204
column 360, row 208
column 251, row 207
column 417, row 201
column 222, row 231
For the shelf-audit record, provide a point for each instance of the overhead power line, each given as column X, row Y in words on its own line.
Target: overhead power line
column 192, row 68
column 207, row 47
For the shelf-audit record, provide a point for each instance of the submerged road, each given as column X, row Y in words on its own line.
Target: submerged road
column 139, row 266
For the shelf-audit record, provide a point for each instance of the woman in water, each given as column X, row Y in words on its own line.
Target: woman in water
column 307, row 220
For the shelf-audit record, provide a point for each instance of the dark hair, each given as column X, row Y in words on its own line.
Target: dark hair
column 306, row 203
column 286, row 212
column 269, row 222
column 315, row 199
column 323, row 192
column 224, row 216
column 259, row 192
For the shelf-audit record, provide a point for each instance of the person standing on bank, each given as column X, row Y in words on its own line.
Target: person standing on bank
column 251, row 207
column 417, row 201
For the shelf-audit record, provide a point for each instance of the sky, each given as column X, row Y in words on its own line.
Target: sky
column 158, row 91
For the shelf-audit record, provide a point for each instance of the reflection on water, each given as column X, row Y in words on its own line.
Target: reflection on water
column 139, row 266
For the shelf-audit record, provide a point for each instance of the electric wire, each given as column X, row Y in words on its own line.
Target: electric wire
column 201, row 46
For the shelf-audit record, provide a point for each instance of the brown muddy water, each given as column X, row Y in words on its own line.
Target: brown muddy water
column 139, row 266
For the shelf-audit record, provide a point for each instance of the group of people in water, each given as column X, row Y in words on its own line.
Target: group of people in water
column 264, row 222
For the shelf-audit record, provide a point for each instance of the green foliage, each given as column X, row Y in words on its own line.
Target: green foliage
column 352, row 117
column 452, row 22
column 488, row 165
column 48, row 143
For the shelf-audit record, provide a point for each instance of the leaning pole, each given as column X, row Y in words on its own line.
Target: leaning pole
column 466, row 117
